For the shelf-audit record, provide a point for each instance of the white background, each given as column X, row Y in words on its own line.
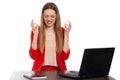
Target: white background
column 95, row 23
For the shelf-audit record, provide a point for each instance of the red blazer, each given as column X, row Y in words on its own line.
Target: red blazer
column 38, row 57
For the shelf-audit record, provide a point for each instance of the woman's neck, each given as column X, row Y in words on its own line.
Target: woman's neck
column 50, row 28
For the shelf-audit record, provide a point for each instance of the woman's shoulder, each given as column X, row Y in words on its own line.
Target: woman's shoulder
column 63, row 29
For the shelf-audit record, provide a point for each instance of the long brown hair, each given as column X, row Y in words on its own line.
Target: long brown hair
column 57, row 28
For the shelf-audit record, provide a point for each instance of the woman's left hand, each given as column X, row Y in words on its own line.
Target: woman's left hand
column 68, row 27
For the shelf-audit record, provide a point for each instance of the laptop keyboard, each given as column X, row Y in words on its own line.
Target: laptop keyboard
column 70, row 74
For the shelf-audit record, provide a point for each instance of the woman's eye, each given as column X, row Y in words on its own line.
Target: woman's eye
column 53, row 16
column 46, row 16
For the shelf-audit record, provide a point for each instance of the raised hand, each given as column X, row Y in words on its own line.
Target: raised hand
column 35, row 27
column 68, row 27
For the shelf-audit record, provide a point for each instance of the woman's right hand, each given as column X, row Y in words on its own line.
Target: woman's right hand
column 35, row 27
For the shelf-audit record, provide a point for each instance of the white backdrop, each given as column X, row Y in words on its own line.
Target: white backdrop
column 95, row 23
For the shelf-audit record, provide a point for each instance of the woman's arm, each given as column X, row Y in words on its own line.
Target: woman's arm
column 66, row 36
column 34, row 42
column 35, row 31
column 33, row 51
column 66, row 42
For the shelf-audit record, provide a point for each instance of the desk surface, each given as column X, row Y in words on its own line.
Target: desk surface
column 51, row 75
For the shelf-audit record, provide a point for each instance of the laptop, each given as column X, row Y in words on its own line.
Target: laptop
column 95, row 63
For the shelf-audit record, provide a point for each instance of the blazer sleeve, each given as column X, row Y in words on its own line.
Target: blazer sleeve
column 33, row 53
column 65, row 55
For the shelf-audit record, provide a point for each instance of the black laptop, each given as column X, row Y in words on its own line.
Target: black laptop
column 96, row 62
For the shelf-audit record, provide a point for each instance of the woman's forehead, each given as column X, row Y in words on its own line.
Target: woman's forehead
column 49, row 11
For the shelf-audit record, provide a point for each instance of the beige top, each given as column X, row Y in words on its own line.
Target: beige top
column 50, row 48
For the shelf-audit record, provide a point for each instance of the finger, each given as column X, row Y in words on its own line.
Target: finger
column 65, row 25
column 32, row 23
column 69, row 24
column 37, row 25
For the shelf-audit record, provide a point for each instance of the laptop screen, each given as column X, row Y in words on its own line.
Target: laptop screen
column 96, row 62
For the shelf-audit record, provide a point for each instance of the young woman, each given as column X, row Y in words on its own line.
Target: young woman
column 49, row 41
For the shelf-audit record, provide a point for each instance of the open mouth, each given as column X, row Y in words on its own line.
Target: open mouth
column 49, row 22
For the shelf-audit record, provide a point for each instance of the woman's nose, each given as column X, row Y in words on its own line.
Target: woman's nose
column 49, row 18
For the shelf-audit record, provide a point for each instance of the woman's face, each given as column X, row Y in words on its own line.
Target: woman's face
column 49, row 16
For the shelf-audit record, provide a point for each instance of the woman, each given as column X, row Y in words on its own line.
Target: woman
column 49, row 41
